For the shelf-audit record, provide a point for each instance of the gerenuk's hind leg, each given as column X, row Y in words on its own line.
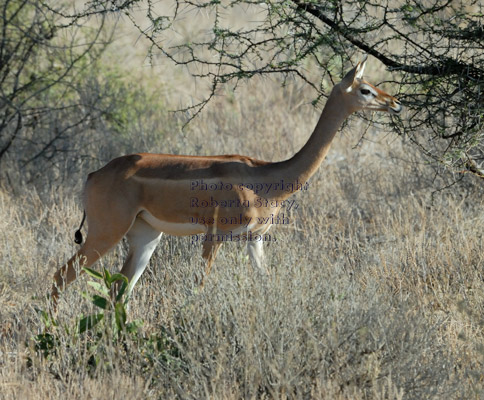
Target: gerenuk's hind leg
column 85, row 257
column 103, row 235
column 142, row 240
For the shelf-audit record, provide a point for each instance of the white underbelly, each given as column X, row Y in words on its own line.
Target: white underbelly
column 172, row 228
column 187, row 229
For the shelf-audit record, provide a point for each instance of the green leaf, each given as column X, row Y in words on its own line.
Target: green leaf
column 89, row 322
column 107, row 278
column 93, row 273
column 118, row 277
column 121, row 291
column 101, row 302
column 46, row 343
column 120, row 315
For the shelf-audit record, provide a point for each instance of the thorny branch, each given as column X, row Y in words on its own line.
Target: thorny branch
column 36, row 68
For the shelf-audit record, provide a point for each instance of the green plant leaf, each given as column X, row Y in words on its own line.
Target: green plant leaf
column 118, row 277
column 100, row 302
column 89, row 322
column 121, row 291
column 107, row 278
column 120, row 315
column 46, row 343
column 93, row 273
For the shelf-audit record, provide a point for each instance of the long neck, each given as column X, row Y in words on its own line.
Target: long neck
column 306, row 161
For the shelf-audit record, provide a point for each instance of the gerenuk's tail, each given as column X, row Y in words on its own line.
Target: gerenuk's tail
column 78, row 234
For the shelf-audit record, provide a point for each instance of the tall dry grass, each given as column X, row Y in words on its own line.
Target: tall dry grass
column 375, row 286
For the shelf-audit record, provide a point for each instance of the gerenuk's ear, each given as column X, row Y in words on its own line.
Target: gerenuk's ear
column 355, row 73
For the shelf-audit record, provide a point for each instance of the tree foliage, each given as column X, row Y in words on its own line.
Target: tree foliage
column 434, row 49
column 47, row 95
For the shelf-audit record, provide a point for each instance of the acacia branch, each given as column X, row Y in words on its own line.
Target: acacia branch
column 447, row 65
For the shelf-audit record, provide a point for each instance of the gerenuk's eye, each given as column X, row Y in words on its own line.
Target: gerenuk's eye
column 364, row 91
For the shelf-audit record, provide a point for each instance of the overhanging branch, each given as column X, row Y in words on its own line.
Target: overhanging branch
column 447, row 65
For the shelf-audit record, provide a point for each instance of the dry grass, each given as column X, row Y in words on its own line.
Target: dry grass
column 375, row 287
